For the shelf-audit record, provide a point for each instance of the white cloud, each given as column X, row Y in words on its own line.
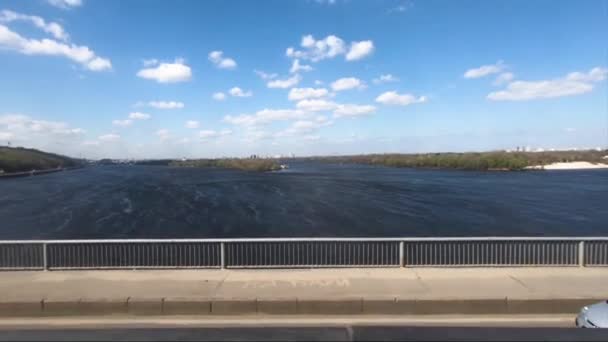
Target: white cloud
column 122, row 123
column 394, row 98
column 217, row 58
column 484, row 70
column 284, row 84
column 297, row 94
column 10, row 40
column 192, row 124
column 227, row 64
column 359, row 50
column 316, row 50
column 52, row 28
column 311, row 137
column 305, row 127
column 91, row 143
column 401, row 8
column 297, row 67
column 385, row 79
column 6, row 135
column 65, row 4
column 150, row 62
column 347, row 83
column 594, row 75
column 318, row 82
column 139, row 116
column 166, row 104
column 76, row 131
column 574, row 83
column 265, row 76
column 99, row 64
column 339, row 110
column 316, row 105
column 109, row 137
column 329, row 47
column 219, row 96
column 167, row 72
column 238, row 92
column 253, row 135
column 22, row 127
column 265, row 116
column 209, row 134
column 503, row 78
column 163, row 134
column 352, row 110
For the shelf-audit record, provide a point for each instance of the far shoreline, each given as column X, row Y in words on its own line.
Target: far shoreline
column 32, row 173
column 492, row 161
column 29, row 173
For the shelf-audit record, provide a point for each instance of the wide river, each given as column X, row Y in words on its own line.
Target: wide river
column 307, row 200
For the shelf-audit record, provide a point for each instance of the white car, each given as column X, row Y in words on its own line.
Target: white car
column 593, row 316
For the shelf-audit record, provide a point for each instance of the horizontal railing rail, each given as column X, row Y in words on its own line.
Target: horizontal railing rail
column 473, row 238
column 303, row 253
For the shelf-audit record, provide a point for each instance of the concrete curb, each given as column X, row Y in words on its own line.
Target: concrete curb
column 186, row 306
column 289, row 306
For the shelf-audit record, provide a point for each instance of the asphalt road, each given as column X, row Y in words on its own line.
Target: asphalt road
column 338, row 333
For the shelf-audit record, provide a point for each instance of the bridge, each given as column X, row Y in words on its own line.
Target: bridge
column 303, row 276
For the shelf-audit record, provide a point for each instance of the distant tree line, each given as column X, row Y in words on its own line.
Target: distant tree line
column 18, row 159
column 231, row 163
column 482, row 161
column 159, row 162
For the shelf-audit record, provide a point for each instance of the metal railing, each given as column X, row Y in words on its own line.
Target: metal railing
column 312, row 253
column 132, row 255
column 492, row 253
column 303, row 253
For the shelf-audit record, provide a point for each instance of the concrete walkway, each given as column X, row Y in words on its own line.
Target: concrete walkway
column 323, row 291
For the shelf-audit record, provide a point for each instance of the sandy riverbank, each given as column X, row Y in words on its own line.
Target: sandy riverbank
column 580, row 165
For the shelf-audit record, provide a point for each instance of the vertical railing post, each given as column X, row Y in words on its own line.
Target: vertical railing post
column 581, row 254
column 222, row 256
column 401, row 254
column 45, row 265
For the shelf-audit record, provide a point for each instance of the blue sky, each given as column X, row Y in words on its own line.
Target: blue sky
column 142, row 79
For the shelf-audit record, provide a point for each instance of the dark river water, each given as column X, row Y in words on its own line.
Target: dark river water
column 307, row 200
